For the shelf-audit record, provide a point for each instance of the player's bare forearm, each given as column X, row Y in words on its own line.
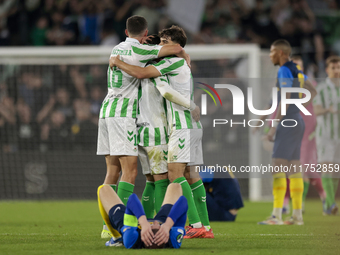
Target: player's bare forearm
column 312, row 90
column 168, row 50
column 147, row 235
column 162, row 236
column 135, row 71
column 177, row 50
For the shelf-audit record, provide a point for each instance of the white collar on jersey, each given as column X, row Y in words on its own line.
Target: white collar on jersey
column 132, row 40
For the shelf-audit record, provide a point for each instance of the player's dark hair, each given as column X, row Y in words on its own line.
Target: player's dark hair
column 176, row 34
column 284, row 45
column 332, row 60
column 136, row 25
column 153, row 39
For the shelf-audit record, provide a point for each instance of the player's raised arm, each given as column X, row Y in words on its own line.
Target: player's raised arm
column 134, row 210
column 176, row 218
column 168, row 50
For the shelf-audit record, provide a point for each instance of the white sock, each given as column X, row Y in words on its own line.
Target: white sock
column 277, row 212
column 297, row 214
column 197, row 225
column 207, row 228
column 105, row 227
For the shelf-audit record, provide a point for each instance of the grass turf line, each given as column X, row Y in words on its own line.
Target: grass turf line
column 74, row 228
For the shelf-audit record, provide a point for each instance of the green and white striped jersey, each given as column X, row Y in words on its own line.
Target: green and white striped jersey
column 121, row 99
column 181, row 80
column 151, row 119
column 328, row 124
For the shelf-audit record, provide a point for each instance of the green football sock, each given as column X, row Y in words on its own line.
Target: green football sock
column 305, row 190
column 125, row 190
column 148, row 199
column 192, row 211
column 114, row 187
column 327, row 184
column 160, row 190
column 200, row 198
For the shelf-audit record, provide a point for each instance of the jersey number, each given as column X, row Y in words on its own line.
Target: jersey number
column 116, row 78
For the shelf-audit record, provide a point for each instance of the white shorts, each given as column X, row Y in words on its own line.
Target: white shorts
column 153, row 159
column 185, row 146
column 328, row 151
column 117, row 136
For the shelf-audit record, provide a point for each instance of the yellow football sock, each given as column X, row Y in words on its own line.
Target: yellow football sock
column 115, row 234
column 279, row 189
column 296, row 190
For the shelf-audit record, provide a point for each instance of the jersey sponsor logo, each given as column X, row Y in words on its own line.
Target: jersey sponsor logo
column 121, row 52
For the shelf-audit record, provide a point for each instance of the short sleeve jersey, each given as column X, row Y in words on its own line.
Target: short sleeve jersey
column 290, row 76
column 180, row 79
column 152, row 117
column 328, row 96
column 121, row 100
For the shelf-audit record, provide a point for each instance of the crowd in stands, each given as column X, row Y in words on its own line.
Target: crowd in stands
column 56, row 107
column 51, row 108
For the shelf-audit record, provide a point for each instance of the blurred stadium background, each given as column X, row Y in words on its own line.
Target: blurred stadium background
column 50, row 96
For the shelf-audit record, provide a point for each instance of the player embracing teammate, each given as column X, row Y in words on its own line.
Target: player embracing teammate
column 185, row 134
column 119, row 137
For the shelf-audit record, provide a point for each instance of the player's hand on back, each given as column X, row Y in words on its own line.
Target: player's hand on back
column 162, row 236
column 113, row 61
column 196, row 114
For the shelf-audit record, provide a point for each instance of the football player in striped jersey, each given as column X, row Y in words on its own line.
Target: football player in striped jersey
column 326, row 108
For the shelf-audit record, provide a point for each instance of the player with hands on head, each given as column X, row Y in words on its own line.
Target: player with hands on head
column 165, row 230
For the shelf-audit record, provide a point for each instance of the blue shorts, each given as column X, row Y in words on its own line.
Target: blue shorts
column 287, row 144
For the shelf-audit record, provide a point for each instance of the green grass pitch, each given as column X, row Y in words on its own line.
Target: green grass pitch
column 74, row 228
